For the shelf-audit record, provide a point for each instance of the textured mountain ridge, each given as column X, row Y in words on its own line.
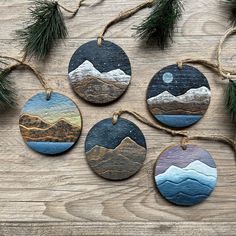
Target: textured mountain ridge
column 193, row 102
column 86, row 69
column 117, row 163
column 190, row 96
column 195, row 170
column 36, row 130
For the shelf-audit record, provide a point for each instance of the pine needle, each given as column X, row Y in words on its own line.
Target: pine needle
column 43, row 30
column 232, row 5
column 7, row 91
column 159, row 26
column 230, row 99
column 3, row 62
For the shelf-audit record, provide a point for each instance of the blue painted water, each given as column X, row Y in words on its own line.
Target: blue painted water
column 178, row 121
column 50, row 148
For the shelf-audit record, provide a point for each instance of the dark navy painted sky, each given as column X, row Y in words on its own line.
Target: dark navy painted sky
column 176, row 156
column 105, row 58
column 107, row 135
column 183, row 79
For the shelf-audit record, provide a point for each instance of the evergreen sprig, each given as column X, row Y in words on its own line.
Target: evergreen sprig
column 159, row 26
column 44, row 28
column 232, row 5
column 230, row 99
column 7, row 91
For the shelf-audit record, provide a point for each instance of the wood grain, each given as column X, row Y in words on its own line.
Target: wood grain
column 61, row 195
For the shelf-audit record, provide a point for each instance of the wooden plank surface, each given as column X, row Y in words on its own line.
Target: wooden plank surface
column 60, row 195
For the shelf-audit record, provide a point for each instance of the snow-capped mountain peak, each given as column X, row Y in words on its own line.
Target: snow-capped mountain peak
column 192, row 95
column 87, row 69
column 195, row 170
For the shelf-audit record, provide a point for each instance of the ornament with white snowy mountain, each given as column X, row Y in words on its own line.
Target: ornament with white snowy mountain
column 99, row 74
column 100, row 71
column 178, row 97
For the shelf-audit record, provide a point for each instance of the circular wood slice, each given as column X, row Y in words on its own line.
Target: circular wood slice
column 178, row 97
column 50, row 126
column 185, row 177
column 115, row 152
column 99, row 74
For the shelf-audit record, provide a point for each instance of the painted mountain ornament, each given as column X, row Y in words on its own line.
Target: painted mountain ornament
column 178, row 97
column 99, row 74
column 115, row 151
column 50, row 126
column 185, row 177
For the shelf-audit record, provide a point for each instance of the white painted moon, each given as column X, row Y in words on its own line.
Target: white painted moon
column 168, row 77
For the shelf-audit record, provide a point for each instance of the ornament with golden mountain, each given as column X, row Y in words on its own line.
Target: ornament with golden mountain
column 115, row 152
column 50, row 126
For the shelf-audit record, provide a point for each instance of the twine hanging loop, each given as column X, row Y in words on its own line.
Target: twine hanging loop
column 22, row 64
column 229, row 74
column 74, row 13
column 218, row 67
column 122, row 16
column 185, row 135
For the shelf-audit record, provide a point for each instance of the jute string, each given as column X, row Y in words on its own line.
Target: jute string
column 74, row 13
column 80, row 4
column 122, row 16
column 184, row 134
column 218, row 67
column 22, row 64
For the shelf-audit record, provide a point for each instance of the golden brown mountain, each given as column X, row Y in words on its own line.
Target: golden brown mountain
column 119, row 163
column 33, row 122
column 89, row 87
column 37, row 130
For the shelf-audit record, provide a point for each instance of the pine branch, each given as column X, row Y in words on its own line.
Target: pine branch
column 230, row 99
column 3, row 62
column 232, row 5
column 7, row 91
column 44, row 28
column 159, row 26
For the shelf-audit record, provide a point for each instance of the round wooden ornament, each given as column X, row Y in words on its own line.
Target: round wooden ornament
column 99, row 74
column 178, row 97
column 115, row 151
column 185, row 177
column 50, row 126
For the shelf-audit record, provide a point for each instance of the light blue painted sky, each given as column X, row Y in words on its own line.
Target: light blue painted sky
column 58, row 107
